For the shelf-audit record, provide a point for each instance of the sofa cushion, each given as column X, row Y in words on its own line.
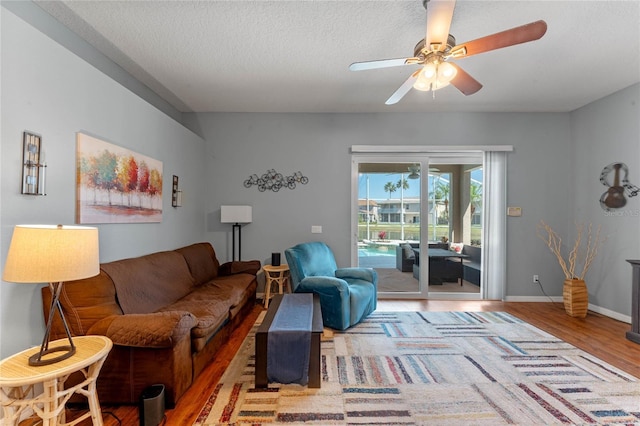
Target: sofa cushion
column 232, row 287
column 202, row 261
column 210, row 311
column 407, row 251
column 146, row 284
column 157, row 330
column 457, row 247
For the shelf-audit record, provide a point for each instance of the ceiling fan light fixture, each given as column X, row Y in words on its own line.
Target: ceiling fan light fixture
column 446, row 72
column 430, row 71
column 434, row 76
column 426, row 78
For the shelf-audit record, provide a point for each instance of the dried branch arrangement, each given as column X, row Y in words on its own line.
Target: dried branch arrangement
column 554, row 242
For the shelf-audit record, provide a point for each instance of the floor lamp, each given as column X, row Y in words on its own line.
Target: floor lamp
column 237, row 215
column 52, row 254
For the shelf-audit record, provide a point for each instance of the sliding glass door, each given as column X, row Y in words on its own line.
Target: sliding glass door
column 454, row 244
column 388, row 224
column 422, row 232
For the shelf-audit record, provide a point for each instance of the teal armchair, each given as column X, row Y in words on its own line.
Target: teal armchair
column 347, row 295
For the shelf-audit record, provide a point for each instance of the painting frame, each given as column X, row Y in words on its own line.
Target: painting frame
column 115, row 184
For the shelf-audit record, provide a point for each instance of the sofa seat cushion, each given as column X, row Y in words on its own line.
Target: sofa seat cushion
column 233, row 287
column 210, row 313
column 157, row 330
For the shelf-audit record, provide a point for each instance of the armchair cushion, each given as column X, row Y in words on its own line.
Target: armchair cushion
column 347, row 295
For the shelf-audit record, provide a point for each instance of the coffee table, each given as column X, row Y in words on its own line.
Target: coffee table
column 262, row 337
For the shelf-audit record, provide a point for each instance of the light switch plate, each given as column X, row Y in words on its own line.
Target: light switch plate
column 316, row 229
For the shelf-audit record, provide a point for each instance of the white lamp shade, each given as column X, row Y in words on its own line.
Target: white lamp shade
column 49, row 253
column 235, row 214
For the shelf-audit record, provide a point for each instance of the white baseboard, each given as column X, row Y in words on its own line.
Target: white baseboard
column 611, row 314
column 557, row 299
column 594, row 308
column 532, row 299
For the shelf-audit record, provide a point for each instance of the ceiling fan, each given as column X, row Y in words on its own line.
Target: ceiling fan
column 414, row 171
column 435, row 52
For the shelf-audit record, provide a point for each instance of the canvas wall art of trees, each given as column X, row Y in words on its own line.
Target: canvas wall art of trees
column 116, row 185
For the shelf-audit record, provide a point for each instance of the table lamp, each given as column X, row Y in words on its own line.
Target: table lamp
column 52, row 254
column 236, row 215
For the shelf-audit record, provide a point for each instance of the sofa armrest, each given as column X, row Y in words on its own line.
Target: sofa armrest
column 154, row 330
column 240, row 267
column 366, row 274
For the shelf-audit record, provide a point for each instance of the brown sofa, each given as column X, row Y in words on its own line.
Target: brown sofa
column 167, row 314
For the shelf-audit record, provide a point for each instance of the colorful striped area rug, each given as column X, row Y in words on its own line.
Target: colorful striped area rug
column 449, row 368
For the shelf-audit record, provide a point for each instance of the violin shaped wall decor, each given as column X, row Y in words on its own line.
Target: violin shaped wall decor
column 614, row 197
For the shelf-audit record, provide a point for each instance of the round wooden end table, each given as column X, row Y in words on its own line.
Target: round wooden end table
column 20, row 381
column 275, row 275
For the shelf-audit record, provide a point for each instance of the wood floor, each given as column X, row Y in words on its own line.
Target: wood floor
column 596, row 334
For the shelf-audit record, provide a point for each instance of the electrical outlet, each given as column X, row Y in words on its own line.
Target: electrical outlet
column 535, row 279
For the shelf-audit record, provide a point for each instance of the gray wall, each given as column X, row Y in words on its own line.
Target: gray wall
column 604, row 132
column 553, row 174
column 318, row 145
column 49, row 91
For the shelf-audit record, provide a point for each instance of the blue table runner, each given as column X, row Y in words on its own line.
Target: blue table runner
column 289, row 340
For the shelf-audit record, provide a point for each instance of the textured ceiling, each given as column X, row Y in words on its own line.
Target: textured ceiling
column 293, row 56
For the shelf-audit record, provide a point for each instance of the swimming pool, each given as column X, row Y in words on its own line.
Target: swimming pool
column 376, row 251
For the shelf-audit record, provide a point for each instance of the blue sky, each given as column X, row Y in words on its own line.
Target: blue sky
column 377, row 182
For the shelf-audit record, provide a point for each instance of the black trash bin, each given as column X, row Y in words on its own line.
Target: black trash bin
column 151, row 410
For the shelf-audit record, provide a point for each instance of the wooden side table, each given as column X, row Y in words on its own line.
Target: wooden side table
column 18, row 382
column 275, row 274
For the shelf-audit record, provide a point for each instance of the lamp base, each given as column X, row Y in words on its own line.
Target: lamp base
column 39, row 360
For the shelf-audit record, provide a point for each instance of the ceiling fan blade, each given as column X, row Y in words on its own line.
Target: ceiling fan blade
column 404, row 89
column 464, row 82
column 382, row 63
column 439, row 15
column 517, row 35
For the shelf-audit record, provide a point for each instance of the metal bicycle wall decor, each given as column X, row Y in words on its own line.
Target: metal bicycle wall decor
column 273, row 181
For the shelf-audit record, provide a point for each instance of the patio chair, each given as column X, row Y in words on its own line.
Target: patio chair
column 347, row 295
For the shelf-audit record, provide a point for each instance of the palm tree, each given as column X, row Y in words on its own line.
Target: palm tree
column 402, row 183
column 390, row 187
column 442, row 193
column 475, row 195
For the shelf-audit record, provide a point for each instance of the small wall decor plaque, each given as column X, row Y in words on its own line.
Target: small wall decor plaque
column 33, row 166
column 176, row 194
column 273, row 181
